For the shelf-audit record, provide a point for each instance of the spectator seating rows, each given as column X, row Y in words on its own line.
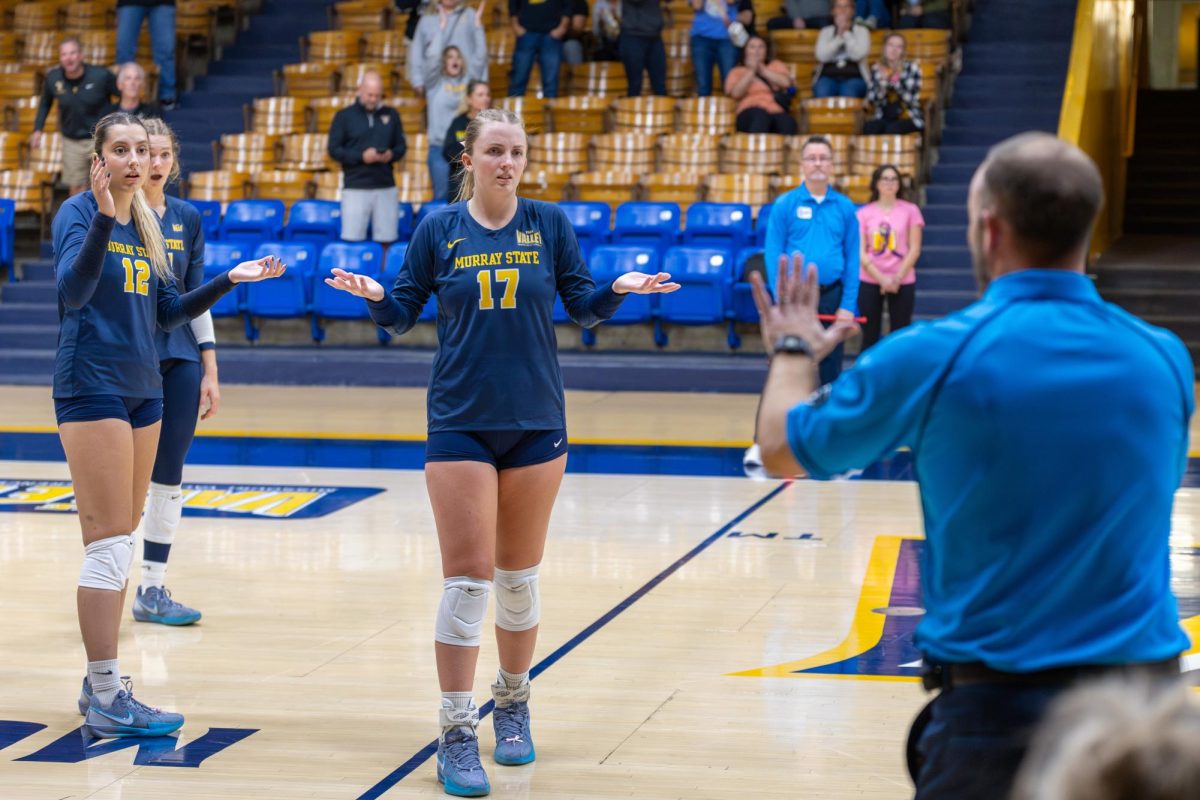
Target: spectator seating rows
column 705, row 248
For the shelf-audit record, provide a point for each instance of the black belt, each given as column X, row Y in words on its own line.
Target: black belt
column 947, row 676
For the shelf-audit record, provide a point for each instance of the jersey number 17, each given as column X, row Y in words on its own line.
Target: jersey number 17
column 509, row 277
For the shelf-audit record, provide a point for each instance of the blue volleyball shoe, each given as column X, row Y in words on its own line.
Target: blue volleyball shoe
column 128, row 717
column 459, row 769
column 156, row 605
column 510, row 720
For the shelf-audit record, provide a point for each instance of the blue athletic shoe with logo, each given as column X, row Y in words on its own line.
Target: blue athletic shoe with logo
column 510, row 720
column 85, row 696
column 127, row 717
column 156, row 605
column 459, row 769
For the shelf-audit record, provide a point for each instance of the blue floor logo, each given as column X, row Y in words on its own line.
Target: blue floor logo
column 201, row 499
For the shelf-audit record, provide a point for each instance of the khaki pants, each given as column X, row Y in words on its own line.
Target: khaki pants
column 77, row 162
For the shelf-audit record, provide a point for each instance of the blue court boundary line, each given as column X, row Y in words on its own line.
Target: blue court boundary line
column 426, row 752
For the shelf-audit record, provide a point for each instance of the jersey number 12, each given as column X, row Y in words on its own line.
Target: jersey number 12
column 509, row 277
column 137, row 275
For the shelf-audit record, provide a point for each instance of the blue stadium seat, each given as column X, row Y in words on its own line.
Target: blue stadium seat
column 392, row 264
column 210, row 217
column 591, row 222
column 8, row 234
column 742, row 308
column 406, row 222
column 219, row 257
column 608, row 262
column 316, row 221
column 427, row 209
column 286, row 296
column 365, row 258
column 727, row 225
column 760, row 226
column 649, row 224
column 706, row 276
column 253, row 220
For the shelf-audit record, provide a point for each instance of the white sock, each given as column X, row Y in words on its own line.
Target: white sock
column 454, row 705
column 105, row 677
column 161, row 518
column 513, row 681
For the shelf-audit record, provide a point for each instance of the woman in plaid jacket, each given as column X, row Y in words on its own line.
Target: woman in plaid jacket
column 894, row 92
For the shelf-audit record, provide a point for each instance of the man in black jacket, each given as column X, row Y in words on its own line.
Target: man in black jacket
column 83, row 92
column 366, row 139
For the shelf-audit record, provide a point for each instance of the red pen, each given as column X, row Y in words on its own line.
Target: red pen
column 832, row 317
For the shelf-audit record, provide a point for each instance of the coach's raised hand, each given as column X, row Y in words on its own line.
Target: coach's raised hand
column 258, row 270
column 357, row 285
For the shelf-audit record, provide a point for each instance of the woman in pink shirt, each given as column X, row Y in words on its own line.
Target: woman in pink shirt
column 758, row 83
column 890, row 229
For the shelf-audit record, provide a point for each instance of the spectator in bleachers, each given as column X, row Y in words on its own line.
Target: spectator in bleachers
column 131, row 79
column 540, row 26
column 761, row 84
column 366, row 138
column 842, row 49
column 577, row 30
column 819, row 222
column 641, row 45
column 894, row 92
column 83, row 92
column 875, row 14
column 161, row 21
column 1115, row 739
column 478, row 97
column 719, row 30
column 606, row 31
column 924, row 14
column 802, row 14
column 890, row 228
column 443, row 95
column 455, row 24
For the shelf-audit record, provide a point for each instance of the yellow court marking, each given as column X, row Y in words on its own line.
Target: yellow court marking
column 867, row 628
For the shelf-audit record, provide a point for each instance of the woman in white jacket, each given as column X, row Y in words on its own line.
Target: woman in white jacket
column 842, row 49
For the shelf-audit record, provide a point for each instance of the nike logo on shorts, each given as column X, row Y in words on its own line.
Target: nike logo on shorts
column 450, row 245
column 556, row 444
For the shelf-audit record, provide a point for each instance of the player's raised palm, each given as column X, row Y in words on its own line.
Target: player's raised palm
column 101, row 178
column 641, row 283
column 357, row 285
column 258, row 270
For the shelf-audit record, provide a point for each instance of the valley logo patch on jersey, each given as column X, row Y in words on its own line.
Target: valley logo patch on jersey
column 529, row 238
column 201, row 499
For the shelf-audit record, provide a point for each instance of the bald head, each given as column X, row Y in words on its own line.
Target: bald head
column 370, row 90
column 1046, row 191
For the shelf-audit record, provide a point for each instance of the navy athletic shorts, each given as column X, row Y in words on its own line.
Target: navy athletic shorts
column 501, row 449
column 139, row 412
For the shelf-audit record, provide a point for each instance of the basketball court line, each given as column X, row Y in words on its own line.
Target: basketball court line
column 426, row 752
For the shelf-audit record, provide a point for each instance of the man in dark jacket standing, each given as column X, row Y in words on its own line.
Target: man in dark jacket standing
column 366, row 139
column 83, row 92
column 161, row 16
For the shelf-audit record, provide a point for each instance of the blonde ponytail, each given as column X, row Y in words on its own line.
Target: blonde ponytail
column 150, row 232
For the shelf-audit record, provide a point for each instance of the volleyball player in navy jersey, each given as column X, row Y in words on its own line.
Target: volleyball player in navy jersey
column 497, row 428
column 114, row 286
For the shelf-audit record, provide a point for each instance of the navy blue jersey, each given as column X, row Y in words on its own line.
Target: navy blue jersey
column 497, row 361
column 109, row 304
column 184, row 235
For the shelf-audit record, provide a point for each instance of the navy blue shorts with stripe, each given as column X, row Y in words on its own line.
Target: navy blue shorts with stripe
column 139, row 412
column 502, row 449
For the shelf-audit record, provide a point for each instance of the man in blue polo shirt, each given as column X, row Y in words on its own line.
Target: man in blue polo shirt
column 1049, row 431
column 819, row 223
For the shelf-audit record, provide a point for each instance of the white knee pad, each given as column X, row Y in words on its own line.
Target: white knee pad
column 460, row 615
column 106, row 563
column 164, row 508
column 518, row 605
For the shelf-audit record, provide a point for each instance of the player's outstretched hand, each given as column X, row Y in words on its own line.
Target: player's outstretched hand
column 795, row 309
column 101, row 178
column 641, row 283
column 357, row 285
column 258, row 270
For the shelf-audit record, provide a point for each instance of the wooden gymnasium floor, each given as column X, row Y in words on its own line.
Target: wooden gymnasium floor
column 704, row 635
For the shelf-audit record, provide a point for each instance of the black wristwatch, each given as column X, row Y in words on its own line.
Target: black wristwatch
column 792, row 344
